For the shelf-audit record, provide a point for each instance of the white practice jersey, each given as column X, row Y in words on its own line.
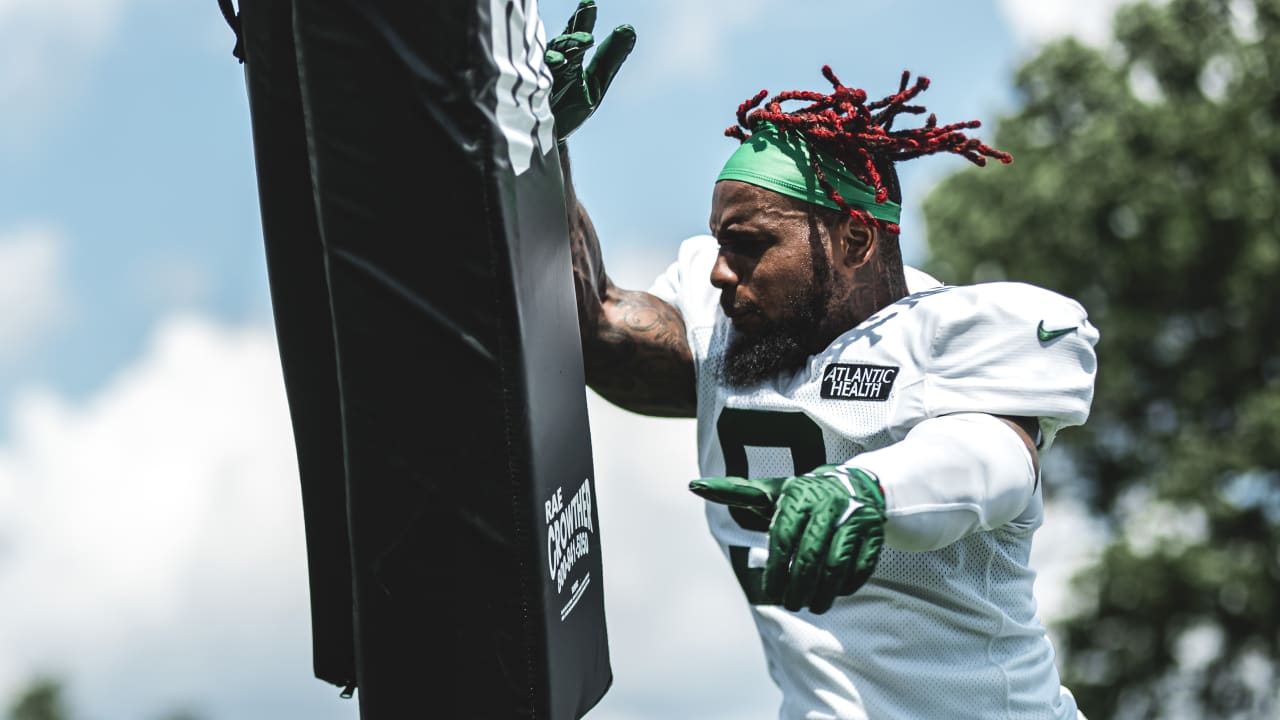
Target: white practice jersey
column 948, row 633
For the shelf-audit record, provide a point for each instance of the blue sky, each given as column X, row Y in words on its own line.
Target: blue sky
column 150, row 526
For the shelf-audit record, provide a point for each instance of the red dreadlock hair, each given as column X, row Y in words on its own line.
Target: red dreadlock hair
column 859, row 134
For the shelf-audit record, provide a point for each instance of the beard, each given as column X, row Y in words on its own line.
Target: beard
column 781, row 346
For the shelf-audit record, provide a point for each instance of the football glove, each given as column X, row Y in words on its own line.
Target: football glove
column 825, row 532
column 576, row 91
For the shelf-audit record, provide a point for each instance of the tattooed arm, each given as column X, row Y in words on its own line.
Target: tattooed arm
column 633, row 344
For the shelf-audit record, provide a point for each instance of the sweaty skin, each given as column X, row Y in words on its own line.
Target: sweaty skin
column 773, row 246
column 635, row 349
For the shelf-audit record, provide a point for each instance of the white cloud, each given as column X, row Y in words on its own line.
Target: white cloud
column 45, row 45
column 33, row 289
column 694, row 34
column 1034, row 22
column 151, row 547
column 1070, row 539
column 173, row 281
column 693, row 39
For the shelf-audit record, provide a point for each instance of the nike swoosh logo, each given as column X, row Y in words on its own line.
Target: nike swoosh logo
column 1047, row 335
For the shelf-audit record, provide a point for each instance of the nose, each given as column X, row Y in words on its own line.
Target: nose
column 722, row 276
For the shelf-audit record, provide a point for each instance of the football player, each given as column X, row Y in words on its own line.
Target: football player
column 869, row 440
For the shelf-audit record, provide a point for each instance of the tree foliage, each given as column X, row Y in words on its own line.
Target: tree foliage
column 1146, row 183
column 44, row 698
column 41, row 700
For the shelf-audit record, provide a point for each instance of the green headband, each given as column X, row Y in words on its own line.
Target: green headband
column 779, row 161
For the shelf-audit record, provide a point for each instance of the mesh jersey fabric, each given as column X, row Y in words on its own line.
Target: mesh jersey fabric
column 947, row 633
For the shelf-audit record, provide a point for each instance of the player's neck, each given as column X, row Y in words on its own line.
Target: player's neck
column 876, row 285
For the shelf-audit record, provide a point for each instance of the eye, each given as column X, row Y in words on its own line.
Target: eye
column 743, row 243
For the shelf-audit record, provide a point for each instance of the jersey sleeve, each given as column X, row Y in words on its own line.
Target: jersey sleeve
column 667, row 286
column 1011, row 349
column 686, row 284
column 919, row 280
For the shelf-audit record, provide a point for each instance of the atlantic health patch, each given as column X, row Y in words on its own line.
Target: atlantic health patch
column 842, row 381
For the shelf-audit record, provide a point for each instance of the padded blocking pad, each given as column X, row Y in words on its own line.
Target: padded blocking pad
column 413, row 214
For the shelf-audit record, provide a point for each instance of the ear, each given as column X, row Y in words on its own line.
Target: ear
column 854, row 242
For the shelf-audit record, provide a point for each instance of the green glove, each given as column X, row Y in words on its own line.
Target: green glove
column 825, row 534
column 576, row 91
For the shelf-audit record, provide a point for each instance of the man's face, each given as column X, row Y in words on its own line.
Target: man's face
column 774, row 277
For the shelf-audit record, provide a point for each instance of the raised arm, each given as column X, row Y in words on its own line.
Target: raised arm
column 634, row 346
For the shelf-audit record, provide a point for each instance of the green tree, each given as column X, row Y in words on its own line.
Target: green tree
column 1146, row 183
column 41, row 700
